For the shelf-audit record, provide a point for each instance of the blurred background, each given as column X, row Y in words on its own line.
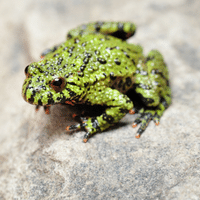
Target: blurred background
column 39, row 161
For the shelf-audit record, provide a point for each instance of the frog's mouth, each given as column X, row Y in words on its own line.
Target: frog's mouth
column 40, row 96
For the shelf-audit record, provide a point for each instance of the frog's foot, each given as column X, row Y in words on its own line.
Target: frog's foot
column 47, row 109
column 37, row 107
column 132, row 111
column 114, row 111
column 90, row 125
column 144, row 118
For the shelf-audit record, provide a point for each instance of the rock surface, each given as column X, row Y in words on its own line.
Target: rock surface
column 38, row 160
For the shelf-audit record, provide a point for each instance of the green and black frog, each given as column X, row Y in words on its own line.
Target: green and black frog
column 96, row 66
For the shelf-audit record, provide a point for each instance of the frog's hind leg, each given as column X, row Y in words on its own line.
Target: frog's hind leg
column 122, row 30
column 152, row 85
column 117, row 105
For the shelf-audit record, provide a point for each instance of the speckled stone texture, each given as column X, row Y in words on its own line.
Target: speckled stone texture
column 38, row 160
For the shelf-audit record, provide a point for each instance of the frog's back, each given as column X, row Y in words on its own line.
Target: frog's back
column 97, row 58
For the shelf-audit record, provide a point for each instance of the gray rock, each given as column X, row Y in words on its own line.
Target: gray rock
column 38, row 160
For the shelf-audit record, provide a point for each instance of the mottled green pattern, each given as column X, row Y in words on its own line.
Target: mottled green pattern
column 96, row 66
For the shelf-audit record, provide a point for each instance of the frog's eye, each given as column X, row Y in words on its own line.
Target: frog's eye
column 26, row 70
column 58, row 84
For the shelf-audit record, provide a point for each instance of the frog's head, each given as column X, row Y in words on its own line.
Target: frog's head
column 43, row 87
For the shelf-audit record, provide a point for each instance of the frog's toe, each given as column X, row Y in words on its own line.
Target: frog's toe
column 86, row 137
column 37, row 108
column 73, row 128
column 132, row 111
column 138, row 120
column 156, row 119
column 143, row 119
column 47, row 109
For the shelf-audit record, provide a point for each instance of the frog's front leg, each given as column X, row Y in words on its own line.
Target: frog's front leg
column 152, row 85
column 122, row 30
column 117, row 105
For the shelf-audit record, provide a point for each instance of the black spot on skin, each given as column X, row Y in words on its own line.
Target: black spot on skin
column 55, row 55
column 98, row 26
column 149, row 58
column 104, row 74
column 126, row 54
column 128, row 101
column 49, row 95
column 65, row 48
column 97, row 52
column 167, row 82
column 108, row 48
column 145, row 100
column 39, row 102
column 65, row 66
column 59, row 61
column 55, row 48
column 86, row 60
column 88, row 55
column 83, row 44
column 133, row 61
column 71, row 50
column 76, row 40
column 31, row 100
column 80, row 74
column 71, row 83
column 108, row 118
column 95, row 80
column 69, row 36
column 71, row 93
column 117, row 62
column 86, row 84
column 128, row 81
column 112, row 76
column 41, row 71
column 82, row 67
column 73, row 65
column 95, row 123
column 101, row 60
